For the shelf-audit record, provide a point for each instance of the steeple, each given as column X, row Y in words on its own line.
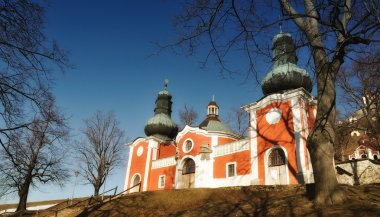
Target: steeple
column 285, row 74
column 212, row 122
column 161, row 125
column 212, row 108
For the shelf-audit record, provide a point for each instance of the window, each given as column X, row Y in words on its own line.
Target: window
column 276, row 157
column 364, row 156
column 188, row 166
column 187, row 146
column 161, row 181
column 231, row 169
column 375, row 157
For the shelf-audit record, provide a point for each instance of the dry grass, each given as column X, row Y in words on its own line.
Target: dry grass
column 239, row 201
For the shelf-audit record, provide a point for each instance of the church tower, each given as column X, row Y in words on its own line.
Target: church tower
column 161, row 125
column 281, row 120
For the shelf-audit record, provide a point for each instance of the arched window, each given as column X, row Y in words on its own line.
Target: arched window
column 135, row 182
column 276, row 157
column 375, row 157
column 364, row 156
column 188, row 166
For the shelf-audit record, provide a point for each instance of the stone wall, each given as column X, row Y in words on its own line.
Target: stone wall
column 356, row 172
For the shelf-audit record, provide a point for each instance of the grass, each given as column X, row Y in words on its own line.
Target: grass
column 294, row 200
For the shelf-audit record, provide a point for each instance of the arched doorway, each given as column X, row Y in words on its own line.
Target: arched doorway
column 276, row 174
column 136, row 179
column 188, row 173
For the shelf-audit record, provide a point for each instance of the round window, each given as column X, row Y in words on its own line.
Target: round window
column 273, row 116
column 140, row 151
column 187, row 146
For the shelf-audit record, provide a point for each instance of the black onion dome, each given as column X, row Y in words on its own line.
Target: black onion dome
column 161, row 125
column 285, row 74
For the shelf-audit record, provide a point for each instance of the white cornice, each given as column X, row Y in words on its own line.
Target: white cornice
column 299, row 92
column 206, row 133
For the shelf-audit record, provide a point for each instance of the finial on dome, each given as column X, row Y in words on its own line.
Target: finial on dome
column 213, row 97
column 280, row 22
column 166, row 82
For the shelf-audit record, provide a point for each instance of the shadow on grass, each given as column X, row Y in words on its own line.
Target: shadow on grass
column 239, row 201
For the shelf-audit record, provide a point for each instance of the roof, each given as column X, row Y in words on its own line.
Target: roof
column 212, row 123
column 213, row 103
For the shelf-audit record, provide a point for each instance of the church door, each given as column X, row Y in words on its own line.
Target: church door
column 136, row 180
column 276, row 168
column 188, row 174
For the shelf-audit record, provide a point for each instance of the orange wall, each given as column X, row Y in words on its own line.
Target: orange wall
column 242, row 159
column 225, row 140
column 281, row 134
column 166, row 150
column 138, row 163
column 197, row 142
column 169, row 173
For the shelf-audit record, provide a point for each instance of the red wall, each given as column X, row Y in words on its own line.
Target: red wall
column 138, row 163
column 169, row 173
column 242, row 159
column 276, row 134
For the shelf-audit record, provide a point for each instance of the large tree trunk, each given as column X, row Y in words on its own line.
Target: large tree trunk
column 23, row 194
column 321, row 140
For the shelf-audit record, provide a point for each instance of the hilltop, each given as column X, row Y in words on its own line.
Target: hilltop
column 239, row 201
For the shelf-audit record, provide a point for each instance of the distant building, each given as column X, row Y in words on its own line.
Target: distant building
column 368, row 147
column 210, row 155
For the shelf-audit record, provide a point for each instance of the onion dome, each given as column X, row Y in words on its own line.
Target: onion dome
column 212, row 122
column 161, row 125
column 285, row 74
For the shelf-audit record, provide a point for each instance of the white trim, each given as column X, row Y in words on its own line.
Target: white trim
column 266, row 165
column 227, row 172
column 178, row 172
column 300, row 92
column 205, row 133
column 152, row 143
column 128, row 167
column 253, row 143
column 163, row 162
column 298, row 137
column 230, row 148
column 159, row 181
column 184, row 145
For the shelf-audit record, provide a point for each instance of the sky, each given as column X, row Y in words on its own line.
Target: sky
column 111, row 43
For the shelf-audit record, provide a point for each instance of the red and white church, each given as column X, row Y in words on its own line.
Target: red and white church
column 210, row 155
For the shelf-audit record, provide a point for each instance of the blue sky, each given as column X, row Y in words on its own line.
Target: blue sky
column 110, row 43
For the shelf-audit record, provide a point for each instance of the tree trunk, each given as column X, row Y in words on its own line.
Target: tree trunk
column 321, row 140
column 23, row 193
column 97, row 186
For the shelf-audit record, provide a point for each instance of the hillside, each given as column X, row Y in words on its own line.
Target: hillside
column 239, row 201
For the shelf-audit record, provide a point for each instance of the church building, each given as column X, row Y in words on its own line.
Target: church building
column 211, row 156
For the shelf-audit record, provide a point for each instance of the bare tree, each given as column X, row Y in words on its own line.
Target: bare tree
column 330, row 31
column 34, row 155
column 102, row 150
column 238, row 121
column 187, row 115
column 360, row 93
column 26, row 62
